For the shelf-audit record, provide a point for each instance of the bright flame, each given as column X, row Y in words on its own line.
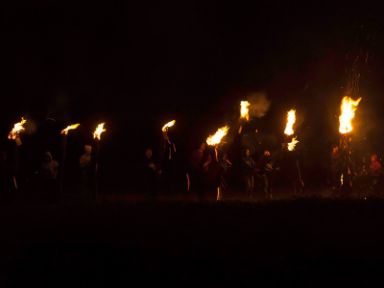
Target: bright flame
column 70, row 127
column 291, row 119
column 292, row 144
column 216, row 138
column 168, row 125
column 244, row 110
column 99, row 129
column 17, row 129
column 348, row 107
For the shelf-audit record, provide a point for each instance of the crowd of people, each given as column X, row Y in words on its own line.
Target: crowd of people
column 206, row 172
column 210, row 172
column 50, row 180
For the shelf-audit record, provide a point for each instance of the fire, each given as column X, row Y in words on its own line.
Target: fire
column 17, row 129
column 292, row 144
column 216, row 138
column 291, row 119
column 70, row 127
column 348, row 107
column 168, row 125
column 244, row 110
column 99, row 130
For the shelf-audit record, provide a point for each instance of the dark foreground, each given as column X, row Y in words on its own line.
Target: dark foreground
column 308, row 242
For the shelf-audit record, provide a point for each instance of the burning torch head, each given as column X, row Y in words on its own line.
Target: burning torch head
column 70, row 127
column 98, row 131
column 291, row 119
column 244, row 110
column 348, row 107
column 16, row 130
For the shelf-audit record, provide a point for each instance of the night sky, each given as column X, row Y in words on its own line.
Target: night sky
column 137, row 65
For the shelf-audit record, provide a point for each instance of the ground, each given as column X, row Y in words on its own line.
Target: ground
column 302, row 242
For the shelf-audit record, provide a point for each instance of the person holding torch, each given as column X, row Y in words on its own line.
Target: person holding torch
column 168, row 153
column 14, row 135
column 214, row 141
column 348, row 108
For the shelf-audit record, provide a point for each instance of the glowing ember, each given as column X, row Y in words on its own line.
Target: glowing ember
column 99, row 129
column 216, row 138
column 292, row 144
column 244, row 110
column 168, row 125
column 17, row 129
column 291, row 119
column 70, row 127
column 348, row 107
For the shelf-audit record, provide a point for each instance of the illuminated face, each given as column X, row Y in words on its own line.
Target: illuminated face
column 148, row 153
column 203, row 146
column 373, row 157
column 247, row 152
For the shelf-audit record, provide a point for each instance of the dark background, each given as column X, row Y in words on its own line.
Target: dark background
column 138, row 65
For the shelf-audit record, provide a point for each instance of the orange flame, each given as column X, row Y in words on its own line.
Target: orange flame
column 98, row 131
column 17, row 129
column 70, row 127
column 291, row 119
column 348, row 107
column 244, row 110
column 216, row 138
column 292, row 144
column 168, row 125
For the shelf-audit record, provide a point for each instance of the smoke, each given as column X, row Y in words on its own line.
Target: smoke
column 259, row 104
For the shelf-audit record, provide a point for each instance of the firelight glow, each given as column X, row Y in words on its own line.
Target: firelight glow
column 17, row 129
column 216, row 138
column 244, row 110
column 70, row 127
column 168, row 125
column 291, row 119
column 98, row 131
column 347, row 109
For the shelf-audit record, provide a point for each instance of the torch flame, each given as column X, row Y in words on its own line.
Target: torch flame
column 99, row 130
column 70, row 127
column 244, row 110
column 216, row 138
column 348, row 107
column 17, row 129
column 168, row 125
column 291, row 119
column 292, row 144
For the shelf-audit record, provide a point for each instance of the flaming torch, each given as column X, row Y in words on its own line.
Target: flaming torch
column 98, row 131
column 97, row 136
column 168, row 125
column 16, row 130
column 65, row 133
column 289, row 131
column 292, row 144
column 348, row 108
column 291, row 120
column 15, row 135
column 244, row 113
column 214, row 140
column 171, row 146
column 70, row 127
